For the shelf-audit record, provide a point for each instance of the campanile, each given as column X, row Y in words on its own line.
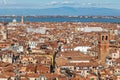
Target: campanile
column 104, row 46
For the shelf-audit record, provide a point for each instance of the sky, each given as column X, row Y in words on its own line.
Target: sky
column 112, row 4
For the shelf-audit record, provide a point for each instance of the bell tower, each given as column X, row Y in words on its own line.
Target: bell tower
column 104, row 46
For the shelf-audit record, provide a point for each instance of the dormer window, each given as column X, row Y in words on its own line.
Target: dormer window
column 69, row 58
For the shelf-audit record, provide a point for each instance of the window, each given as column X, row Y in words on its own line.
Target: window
column 69, row 58
column 118, row 71
column 106, row 38
column 102, row 38
column 114, row 54
column 104, row 46
column 110, row 62
column 74, row 68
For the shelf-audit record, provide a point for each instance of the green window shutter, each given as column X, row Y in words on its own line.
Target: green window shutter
column 92, row 78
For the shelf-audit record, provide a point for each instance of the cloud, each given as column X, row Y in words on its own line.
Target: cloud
column 98, row 4
column 7, row 2
column 53, row 3
column 66, row 2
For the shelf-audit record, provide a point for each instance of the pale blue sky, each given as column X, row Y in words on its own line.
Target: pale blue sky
column 113, row 4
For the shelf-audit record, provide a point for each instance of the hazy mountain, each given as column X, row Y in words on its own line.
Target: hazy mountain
column 69, row 11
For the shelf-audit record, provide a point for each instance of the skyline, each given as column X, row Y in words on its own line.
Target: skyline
column 112, row 4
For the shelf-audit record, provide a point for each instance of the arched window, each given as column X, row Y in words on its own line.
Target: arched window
column 106, row 38
column 102, row 38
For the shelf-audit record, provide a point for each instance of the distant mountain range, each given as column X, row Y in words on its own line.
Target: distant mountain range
column 66, row 11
